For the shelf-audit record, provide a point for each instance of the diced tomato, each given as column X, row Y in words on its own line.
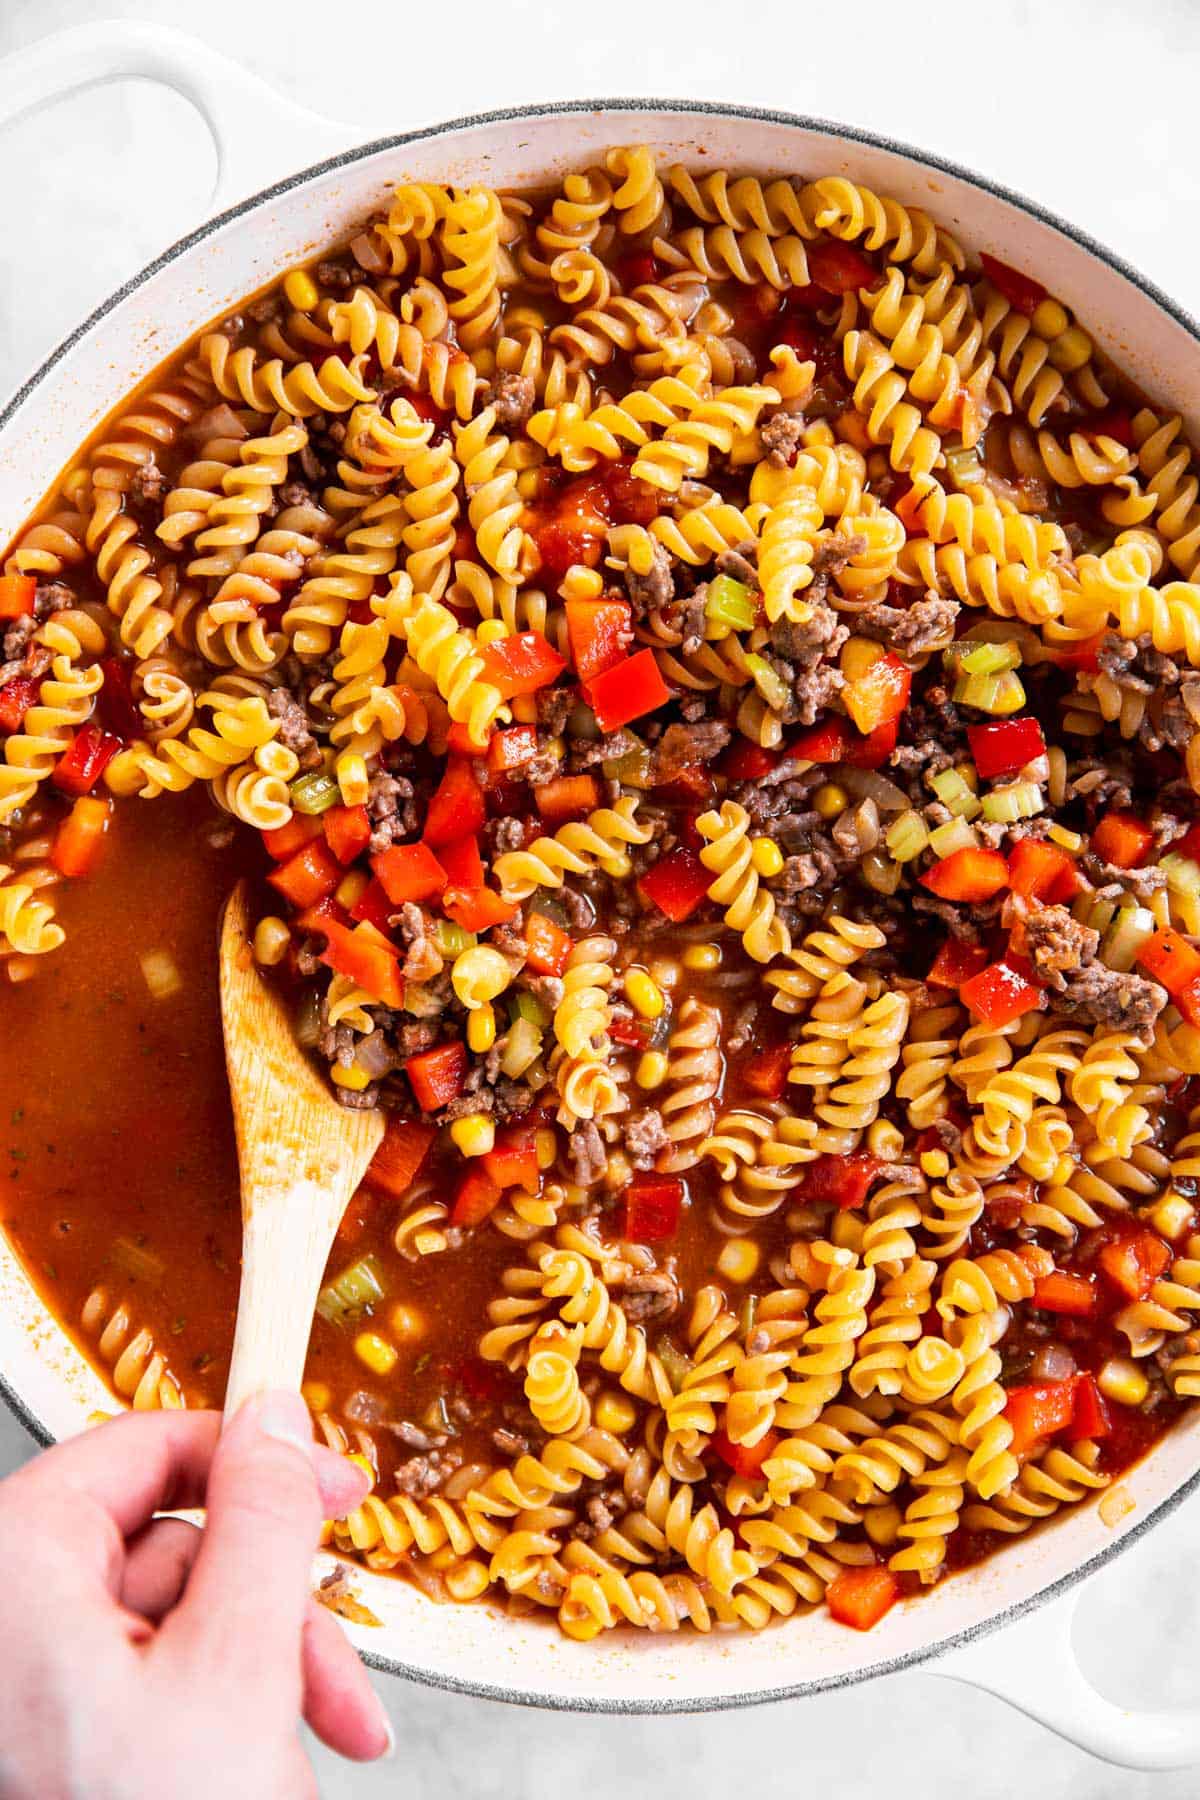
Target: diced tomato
column 636, row 269
column 548, row 946
column 462, row 863
column 16, row 698
column 560, row 544
column 971, row 875
column 859, row 1597
column 567, row 797
column 1170, row 959
column 477, row 1196
column 115, row 705
column 878, row 697
column 512, row 749
column 799, row 335
column 631, row 500
column 84, row 760
column 18, row 593
column 1122, row 840
column 846, row 1180
column 1002, row 991
column 1114, row 422
column 512, row 1161
column 635, row 1033
column 459, row 739
column 1089, row 1413
column 362, row 1206
column 409, row 872
column 396, row 1163
column 677, row 884
column 956, row 962
column 1005, row 745
column 1134, row 1263
column 744, row 761
column 600, row 632
column 766, row 1073
column 1038, row 870
column 1038, row 1411
column 80, row 838
column 456, row 808
column 627, row 690
column 436, row 1076
column 477, row 908
column 285, row 840
column 744, row 1459
column 1019, row 289
column 1062, row 1292
column 840, row 268
column 521, row 664
column 366, row 957
column 653, row 1204
column 307, row 876
column 347, row 831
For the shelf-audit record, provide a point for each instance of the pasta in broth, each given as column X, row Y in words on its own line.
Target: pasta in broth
column 704, row 673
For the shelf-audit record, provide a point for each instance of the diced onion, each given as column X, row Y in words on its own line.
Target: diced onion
column 161, row 974
column 522, row 1047
column 1132, row 927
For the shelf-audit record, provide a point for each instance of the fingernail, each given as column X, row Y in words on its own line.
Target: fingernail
column 283, row 1415
column 389, row 1755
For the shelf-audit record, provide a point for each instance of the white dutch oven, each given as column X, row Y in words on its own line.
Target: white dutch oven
column 261, row 138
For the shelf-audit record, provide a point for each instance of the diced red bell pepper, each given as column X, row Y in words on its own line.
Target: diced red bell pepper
column 521, row 664
column 456, row 808
column 18, row 594
column 307, row 876
column 744, row 1459
column 1005, row 745
column 477, row 908
column 1038, row 870
column 436, row 1076
column 969, row 875
column 373, row 906
column 846, row 1180
column 956, row 962
column 512, row 749
column 84, row 760
column 567, row 797
column 347, row 831
column 512, row 1161
column 1089, row 1413
column 1134, row 1263
column 627, row 691
column 80, row 838
column 361, row 1208
column 840, row 268
column 600, row 632
column 477, row 1196
column 459, row 739
column 677, row 884
column 653, row 1204
column 285, row 840
column 1080, row 654
column 1122, row 840
column 1188, row 1001
column 548, row 945
column 859, row 1597
column 1002, row 991
column 834, row 740
column 1038, row 1411
column 16, row 698
column 396, row 1163
column 316, row 917
column 365, row 957
column 766, row 1073
column 1189, row 844
column 462, row 863
column 879, row 696
column 1062, row 1292
column 115, row 705
column 1170, row 959
column 409, row 872
column 635, row 1033
column 744, row 761
column 1020, row 290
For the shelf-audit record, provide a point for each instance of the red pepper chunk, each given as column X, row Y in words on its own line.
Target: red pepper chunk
column 521, row 664
column 744, row 761
column 1005, row 745
column 374, row 906
column 1170, row 959
column 1041, row 871
column 548, row 946
column 1038, row 1411
column 512, row 1161
column 347, row 831
column 1062, row 1292
column 16, row 698
column 436, row 1076
column 408, row 872
column 567, row 797
column 1001, row 992
column 845, row 1180
column 834, row 740
column 366, row 957
column 397, row 1162
column 859, row 1597
column 600, row 632
column 1023, row 294
column 80, row 838
column 456, row 808
column 84, row 760
column 840, row 268
column 462, row 862
column 970, row 875
column 878, row 697
column 766, row 1073
column 512, row 749
column 285, row 840
column 459, row 739
column 1133, row 1264
column 1089, row 1413
column 677, row 884
column 653, row 1204
column 18, row 594
column 477, row 908
column 1122, row 840
column 956, row 962
column 744, row 1459
column 477, row 1196
column 627, row 691
column 307, row 876
column 115, row 705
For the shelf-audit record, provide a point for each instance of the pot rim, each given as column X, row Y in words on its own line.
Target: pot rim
column 831, row 129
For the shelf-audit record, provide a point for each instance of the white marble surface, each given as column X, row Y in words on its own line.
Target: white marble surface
column 1087, row 104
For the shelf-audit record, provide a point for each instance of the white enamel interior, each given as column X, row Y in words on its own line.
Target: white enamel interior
column 476, row 1647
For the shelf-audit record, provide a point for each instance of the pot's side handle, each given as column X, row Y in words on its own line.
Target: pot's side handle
column 260, row 135
column 1032, row 1665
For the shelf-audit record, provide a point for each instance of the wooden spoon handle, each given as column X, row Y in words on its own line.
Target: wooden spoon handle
column 284, row 1247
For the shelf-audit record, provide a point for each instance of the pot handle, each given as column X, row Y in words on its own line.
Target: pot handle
column 260, row 135
column 1032, row 1665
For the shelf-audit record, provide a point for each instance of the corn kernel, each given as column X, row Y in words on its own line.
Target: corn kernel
column 318, row 1396
column 528, row 484
column 406, row 1321
column 766, row 857
column 1172, row 1216
column 830, row 799
column 883, row 1523
column 665, row 970
column 524, row 709
column 618, row 1171
column 643, row 995
column 301, row 290
column 935, row 1163
column 352, row 779
column 353, row 1078
column 1072, row 350
column 1069, row 840
column 376, row 1352
column 858, row 655
column 490, row 631
column 581, row 583
column 615, row 1412
column 1050, row 318
column 1121, row 1380
column 652, row 1069
column 546, row 1146
column 481, row 1029
column 701, row 959
column 351, row 888
column 467, row 1580
column 475, row 1134
column 326, row 1534
column 271, row 940
column 739, row 1259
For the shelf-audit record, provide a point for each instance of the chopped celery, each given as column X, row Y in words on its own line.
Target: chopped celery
column 551, row 908
column 1131, row 928
column 351, row 1292
column 525, row 1005
column 137, row 1261
column 991, row 659
column 1098, row 913
column 307, row 1024
column 677, row 1365
column 522, row 1047
column 955, row 835
column 314, row 793
column 728, row 606
column 773, row 688
column 907, row 836
column 1183, row 875
column 631, row 770
column 997, row 694
column 452, row 939
column 964, row 465
column 954, row 790
column 1014, row 800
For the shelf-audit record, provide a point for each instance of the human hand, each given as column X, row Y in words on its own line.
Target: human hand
column 143, row 1659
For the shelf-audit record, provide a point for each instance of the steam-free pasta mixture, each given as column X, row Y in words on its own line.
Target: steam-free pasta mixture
column 703, row 673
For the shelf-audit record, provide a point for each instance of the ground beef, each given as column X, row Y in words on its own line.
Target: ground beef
column 780, row 438
column 514, row 398
column 1142, row 883
column 691, row 621
column 553, row 706
column 589, row 1158
column 391, row 810
column 424, row 1475
column 654, row 590
column 1103, row 996
column 585, row 753
column 333, row 275
column 14, row 643
column 148, row 485
column 509, row 940
column 423, row 959
column 802, row 641
column 738, row 564
column 645, row 1137
column 649, row 1294
column 548, row 989
column 411, row 1039
column 682, row 746
column 581, row 914
column 1056, row 943
column 913, row 631
column 741, row 1031
column 812, row 689
column 509, row 1442
column 504, row 835
column 295, row 732
column 365, row 1101
column 957, row 918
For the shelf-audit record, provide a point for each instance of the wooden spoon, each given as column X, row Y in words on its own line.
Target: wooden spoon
column 301, row 1156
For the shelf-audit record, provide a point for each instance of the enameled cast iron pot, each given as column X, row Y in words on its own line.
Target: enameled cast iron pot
column 260, row 138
